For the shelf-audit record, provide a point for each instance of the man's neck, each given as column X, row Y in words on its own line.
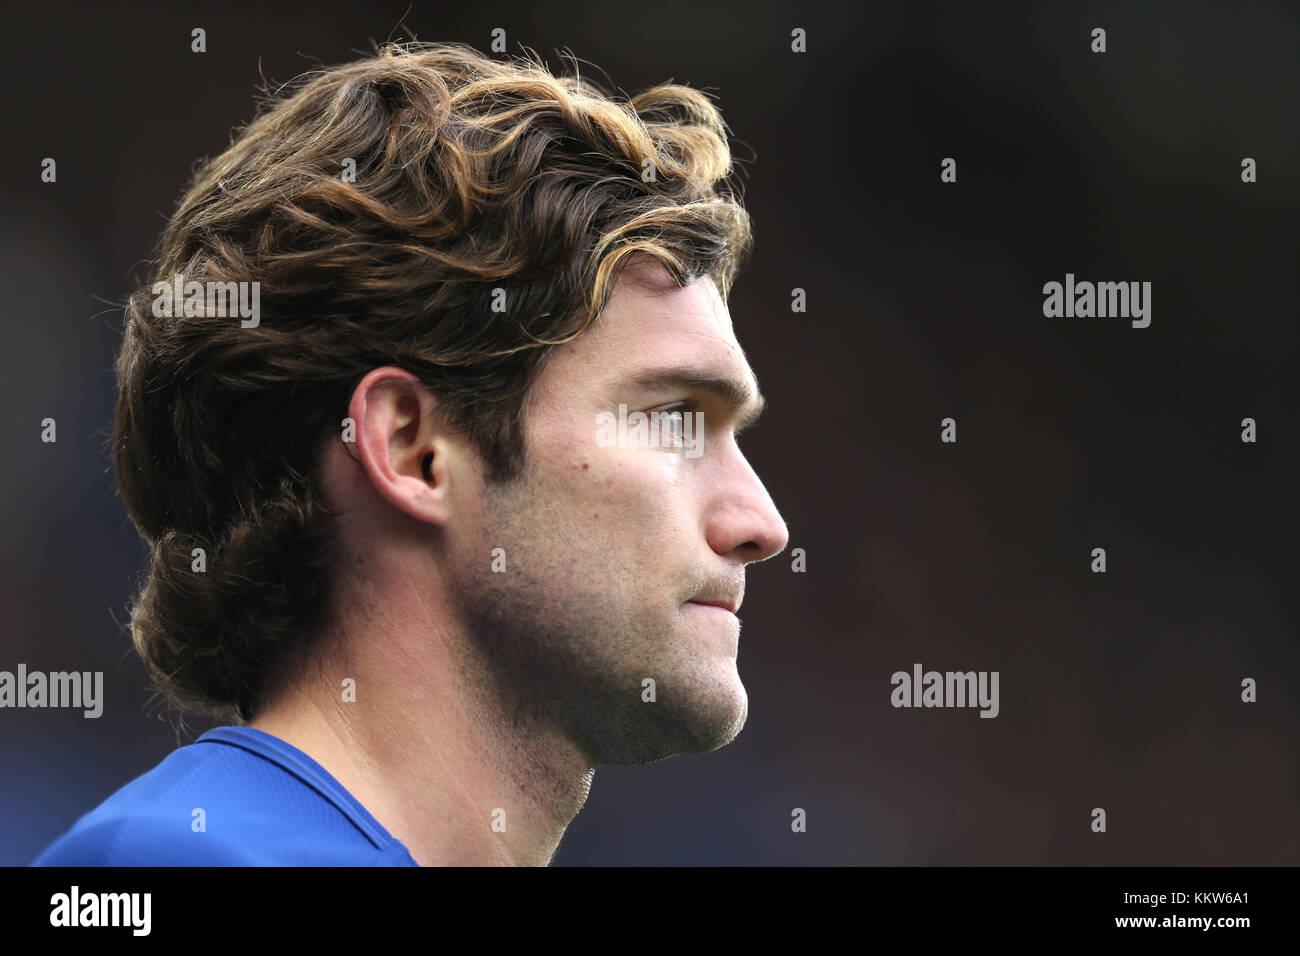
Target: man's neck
column 431, row 755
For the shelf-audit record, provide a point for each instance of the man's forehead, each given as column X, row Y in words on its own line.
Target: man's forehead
column 649, row 293
column 650, row 327
column 648, row 322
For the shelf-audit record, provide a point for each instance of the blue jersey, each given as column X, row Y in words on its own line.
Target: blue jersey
column 235, row 797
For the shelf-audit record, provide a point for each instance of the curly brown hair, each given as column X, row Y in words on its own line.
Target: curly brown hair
column 471, row 175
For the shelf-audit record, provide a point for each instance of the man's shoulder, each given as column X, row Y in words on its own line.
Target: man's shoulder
column 229, row 799
column 161, row 817
column 142, row 839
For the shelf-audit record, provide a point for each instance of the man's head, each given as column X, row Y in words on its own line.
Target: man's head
column 461, row 264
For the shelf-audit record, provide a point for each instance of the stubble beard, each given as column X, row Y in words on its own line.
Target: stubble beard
column 563, row 639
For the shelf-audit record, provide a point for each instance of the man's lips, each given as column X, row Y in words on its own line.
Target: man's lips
column 724, row 593
column 729, row 606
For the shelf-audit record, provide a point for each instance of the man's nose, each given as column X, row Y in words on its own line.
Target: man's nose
column 746, row 522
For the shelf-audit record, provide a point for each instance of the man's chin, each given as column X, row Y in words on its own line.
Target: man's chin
column 706, row 720
column 724, row 733
column 725, row 724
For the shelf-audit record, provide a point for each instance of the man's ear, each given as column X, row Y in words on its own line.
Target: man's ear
column 404, row 444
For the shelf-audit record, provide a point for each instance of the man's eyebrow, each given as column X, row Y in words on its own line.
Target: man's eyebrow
column 744, row 403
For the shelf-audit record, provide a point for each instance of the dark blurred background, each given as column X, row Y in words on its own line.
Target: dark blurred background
column 1118, row 690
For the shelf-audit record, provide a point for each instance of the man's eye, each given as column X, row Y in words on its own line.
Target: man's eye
column 676, row 431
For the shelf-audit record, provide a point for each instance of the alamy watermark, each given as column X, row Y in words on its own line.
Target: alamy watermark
column 948, row 689
column 77, row 689
column 193, row 298
column 669, row 429
column 1125, row 300
column 75, row 908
